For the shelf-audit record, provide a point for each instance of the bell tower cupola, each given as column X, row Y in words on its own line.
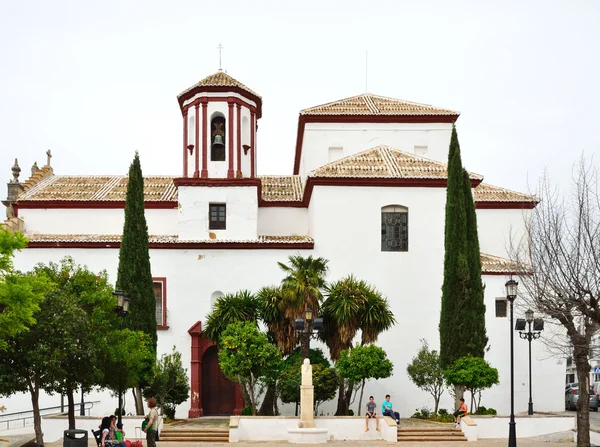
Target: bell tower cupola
column 220, row 117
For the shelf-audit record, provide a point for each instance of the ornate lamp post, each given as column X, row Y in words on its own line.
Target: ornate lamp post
column 529, row 335
column 307, row 328
column 511, row 294
column 122, row 308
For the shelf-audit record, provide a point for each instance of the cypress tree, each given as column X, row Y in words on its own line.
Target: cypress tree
column 475, row 320
column 455, row 312
column 134, row 274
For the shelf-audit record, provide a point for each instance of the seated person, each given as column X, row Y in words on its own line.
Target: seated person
column 120, row 433
column 108, row 433
column 388, row 410
column 462, row 411
column 372, row 413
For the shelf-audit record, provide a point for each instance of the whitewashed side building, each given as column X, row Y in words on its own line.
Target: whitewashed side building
column 367, row 193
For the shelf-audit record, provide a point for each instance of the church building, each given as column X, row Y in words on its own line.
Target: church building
column 367, row 192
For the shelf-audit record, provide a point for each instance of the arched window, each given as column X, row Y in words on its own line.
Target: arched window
column 217, row 138
column 394, row 228
column 214, row 297
column 191, row 133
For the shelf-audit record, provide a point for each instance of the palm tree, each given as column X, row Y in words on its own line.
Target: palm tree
column 301, row 288
column 280, row 328
column 241, row 306
column 352, row 305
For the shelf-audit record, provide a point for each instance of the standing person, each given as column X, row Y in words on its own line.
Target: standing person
column 462, row 411
column 151, row 426
column 372, row 413
column 387, row 409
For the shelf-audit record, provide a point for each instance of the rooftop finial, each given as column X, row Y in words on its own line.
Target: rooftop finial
column 16, row 170
column 49, row 154
column 34, row 168
column 220, row 48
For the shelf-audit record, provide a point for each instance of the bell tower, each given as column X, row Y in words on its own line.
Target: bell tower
column 220, row 117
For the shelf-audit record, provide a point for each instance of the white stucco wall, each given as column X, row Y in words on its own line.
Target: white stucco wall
column 241, row 207
column 283, row 221
column 94, row 221
column 497, row 227
column 357, row 137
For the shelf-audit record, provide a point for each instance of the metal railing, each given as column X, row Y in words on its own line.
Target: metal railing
column 8, row 420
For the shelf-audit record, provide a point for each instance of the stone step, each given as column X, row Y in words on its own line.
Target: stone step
column 433, row 439
column 434, row 432
column 195, row 435
column 195, row 439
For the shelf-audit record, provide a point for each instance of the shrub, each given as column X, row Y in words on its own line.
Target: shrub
column 247, row 411
column 442, row 412
column 483, row 411
column 423, row 413
column 169, row 411
column 350, row 412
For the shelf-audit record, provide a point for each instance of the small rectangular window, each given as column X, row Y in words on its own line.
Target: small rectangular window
column 335, row 153
column 420, row 150
column 217, row 216
column 501, row 307
column 160, row 297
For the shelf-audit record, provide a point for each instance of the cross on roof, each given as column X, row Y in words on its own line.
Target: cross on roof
column 49, row 154
column 220, row 48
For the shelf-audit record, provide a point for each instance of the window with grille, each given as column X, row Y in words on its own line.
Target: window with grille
column 217, row 216
column 501, row 307
column 160, row 298
column 394, row 228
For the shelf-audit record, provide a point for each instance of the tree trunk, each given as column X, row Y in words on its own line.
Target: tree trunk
column 268, row 403
column 342, row 406
column 459, row 392
column 71, row 409
column 37, row 419
column 139, row 402
column 252, row 396
column 362, row 389
column 436, row 400
column 583, row 402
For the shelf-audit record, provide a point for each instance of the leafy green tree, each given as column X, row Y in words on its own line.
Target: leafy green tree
column 92, row 315
column 291, row 378
column 20, row 294
column 231, row 308
column 169, row 383
column 472, row 373
column 426, row 372
column 363, row 363
column 352, row 305
column 247, row 357
column 302, row 286
column 134, row 273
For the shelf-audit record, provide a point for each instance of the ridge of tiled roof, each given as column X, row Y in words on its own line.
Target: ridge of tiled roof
column 385, row 162
column 281, row 188
column 219, row 79
column 369, row 104
column 491, row 264
column 485, row 192
column 166, row 239
column 98, row 188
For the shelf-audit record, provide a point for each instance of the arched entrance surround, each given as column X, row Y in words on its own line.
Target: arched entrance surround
column 200, row 346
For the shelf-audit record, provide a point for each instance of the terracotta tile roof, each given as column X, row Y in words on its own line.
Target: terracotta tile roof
column 167, row 239
column 489, row 193
column 37, row 176
column 368, row 104
column 385, row 162
column 496, row 265
column 219, row 79
column 101, row 188
column 281, row 188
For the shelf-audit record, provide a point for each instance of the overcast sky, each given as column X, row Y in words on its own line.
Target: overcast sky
column 95, row 81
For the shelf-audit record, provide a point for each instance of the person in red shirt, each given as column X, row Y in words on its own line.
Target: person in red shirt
column 462, row 411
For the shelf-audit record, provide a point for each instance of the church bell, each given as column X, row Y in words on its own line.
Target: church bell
column 218, row 143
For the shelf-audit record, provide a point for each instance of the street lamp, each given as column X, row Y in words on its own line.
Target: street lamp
column 307, row 328
column 538, row 327
column 511, row 294
column 122, row 308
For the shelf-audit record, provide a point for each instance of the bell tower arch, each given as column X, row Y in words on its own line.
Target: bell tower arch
column 220, row 117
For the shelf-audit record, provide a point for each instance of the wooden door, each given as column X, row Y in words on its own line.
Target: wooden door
column 218, row 392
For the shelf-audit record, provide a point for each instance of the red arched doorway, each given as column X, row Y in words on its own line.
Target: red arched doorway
column 210, row 391
column 218, row 392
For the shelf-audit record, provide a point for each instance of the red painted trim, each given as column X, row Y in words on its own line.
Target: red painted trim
column 183, row 245
column 185, row 139
column 163, row 280
column 197, row 158
column 282, row 204
column 199, row 346
column 88, row 204
column 220, row 182
column 205, row 133
column 252, row 132
column 230, row 170
column 501, row 273
column 239, row 141
column 222, row 89
column 481, row 205
column 162, row 328
column 303, row 119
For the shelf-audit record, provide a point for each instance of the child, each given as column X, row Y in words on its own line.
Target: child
column 462, row 411
column 372, row 413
